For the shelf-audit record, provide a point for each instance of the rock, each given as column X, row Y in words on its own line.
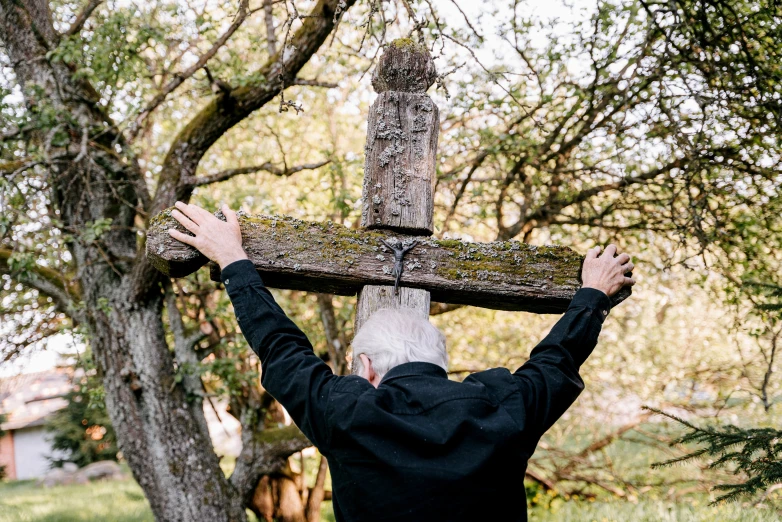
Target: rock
column 60, row 477
column 69, row 473
column 105, row 469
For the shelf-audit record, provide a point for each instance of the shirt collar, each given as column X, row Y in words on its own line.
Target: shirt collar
column 414, row 369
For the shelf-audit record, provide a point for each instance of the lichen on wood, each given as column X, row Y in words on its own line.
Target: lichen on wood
column 327, row 257
column 399, row 170
column 405, row 66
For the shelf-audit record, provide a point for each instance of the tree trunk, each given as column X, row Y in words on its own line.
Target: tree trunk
column 94, row 184
column 161, row 431
column 301, row 255
column 318, row 492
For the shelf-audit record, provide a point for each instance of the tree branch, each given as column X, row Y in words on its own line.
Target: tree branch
column 179, row 78
column 224, row 112
column 315, row 83
column 443, row 308
column 335, row 336
column 64, row 292
column 264, row 453
column 317, row 493
column 82, row 17
column 545, row 213
column 184, row 351
column 199, row 181
column 271, row 37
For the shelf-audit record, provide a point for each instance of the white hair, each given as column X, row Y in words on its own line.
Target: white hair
column 393, row 336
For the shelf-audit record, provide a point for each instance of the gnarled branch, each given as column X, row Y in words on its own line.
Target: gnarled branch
column 198, row 181
column 224, row 112
column 179, row 78
column 315, row 83
column 263, row 453
column 82, row 17
column 64, row 292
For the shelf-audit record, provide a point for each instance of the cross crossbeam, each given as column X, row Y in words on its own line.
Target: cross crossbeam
column 328, row 257
column 397, row 209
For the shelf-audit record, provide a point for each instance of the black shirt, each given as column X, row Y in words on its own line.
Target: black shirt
column 420, row 447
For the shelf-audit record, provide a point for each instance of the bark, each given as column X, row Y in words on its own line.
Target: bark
column 263, row 501
column 335, row 336
column 326, row 257
column 223, row 112
column 290, row 507
column 317, row 493
column 117, row 297
column 265, row 453
column 399, row 171
column 161, row 432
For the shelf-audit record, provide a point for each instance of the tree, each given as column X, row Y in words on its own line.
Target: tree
column 82, row 430
column 753, row 454
column 71, row 167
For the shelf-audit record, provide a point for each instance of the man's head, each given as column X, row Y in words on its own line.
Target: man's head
column 391, row 337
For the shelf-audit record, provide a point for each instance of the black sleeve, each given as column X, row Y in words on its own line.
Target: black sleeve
column 549, row 380
column 291, row 372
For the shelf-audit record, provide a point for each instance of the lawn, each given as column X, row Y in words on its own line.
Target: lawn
column 118, row 501
column 651, row 511
column 122, row 501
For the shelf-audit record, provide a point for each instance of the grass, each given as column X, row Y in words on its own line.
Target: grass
column 123, row 501
column 118, row 501
column 651, row 511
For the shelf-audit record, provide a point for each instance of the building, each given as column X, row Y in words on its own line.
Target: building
column 27, row 400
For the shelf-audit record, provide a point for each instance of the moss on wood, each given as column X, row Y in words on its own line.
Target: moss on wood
column 326, row 257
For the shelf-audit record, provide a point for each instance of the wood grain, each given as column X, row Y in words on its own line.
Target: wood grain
column 327, row 257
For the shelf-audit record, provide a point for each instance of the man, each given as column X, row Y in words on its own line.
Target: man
column 404, row 442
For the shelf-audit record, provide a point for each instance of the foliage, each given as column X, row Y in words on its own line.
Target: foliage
column 772, row 295
column 755, row 453
column 83, row 430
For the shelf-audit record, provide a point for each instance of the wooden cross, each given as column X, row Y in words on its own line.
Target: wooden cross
column 397, row 213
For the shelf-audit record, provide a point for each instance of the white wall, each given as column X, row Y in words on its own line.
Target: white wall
column 31, row 447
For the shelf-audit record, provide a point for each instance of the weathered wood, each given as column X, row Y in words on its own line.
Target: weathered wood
column 401, row 148
column 372, row 298
column 405, row 66
column 399, row 171
column 327, row 257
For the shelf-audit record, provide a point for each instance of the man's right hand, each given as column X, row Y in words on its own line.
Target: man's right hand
column 220, row 241
column 606, row 272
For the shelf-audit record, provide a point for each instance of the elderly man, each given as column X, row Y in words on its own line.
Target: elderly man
column 404, row 442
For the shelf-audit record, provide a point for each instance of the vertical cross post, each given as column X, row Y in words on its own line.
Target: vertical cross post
column 399, row 171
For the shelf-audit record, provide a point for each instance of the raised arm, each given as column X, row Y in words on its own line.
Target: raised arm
column 291, row 372
column 549, row 380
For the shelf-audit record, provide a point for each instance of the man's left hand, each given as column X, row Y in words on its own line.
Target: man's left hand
column 220, row 241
